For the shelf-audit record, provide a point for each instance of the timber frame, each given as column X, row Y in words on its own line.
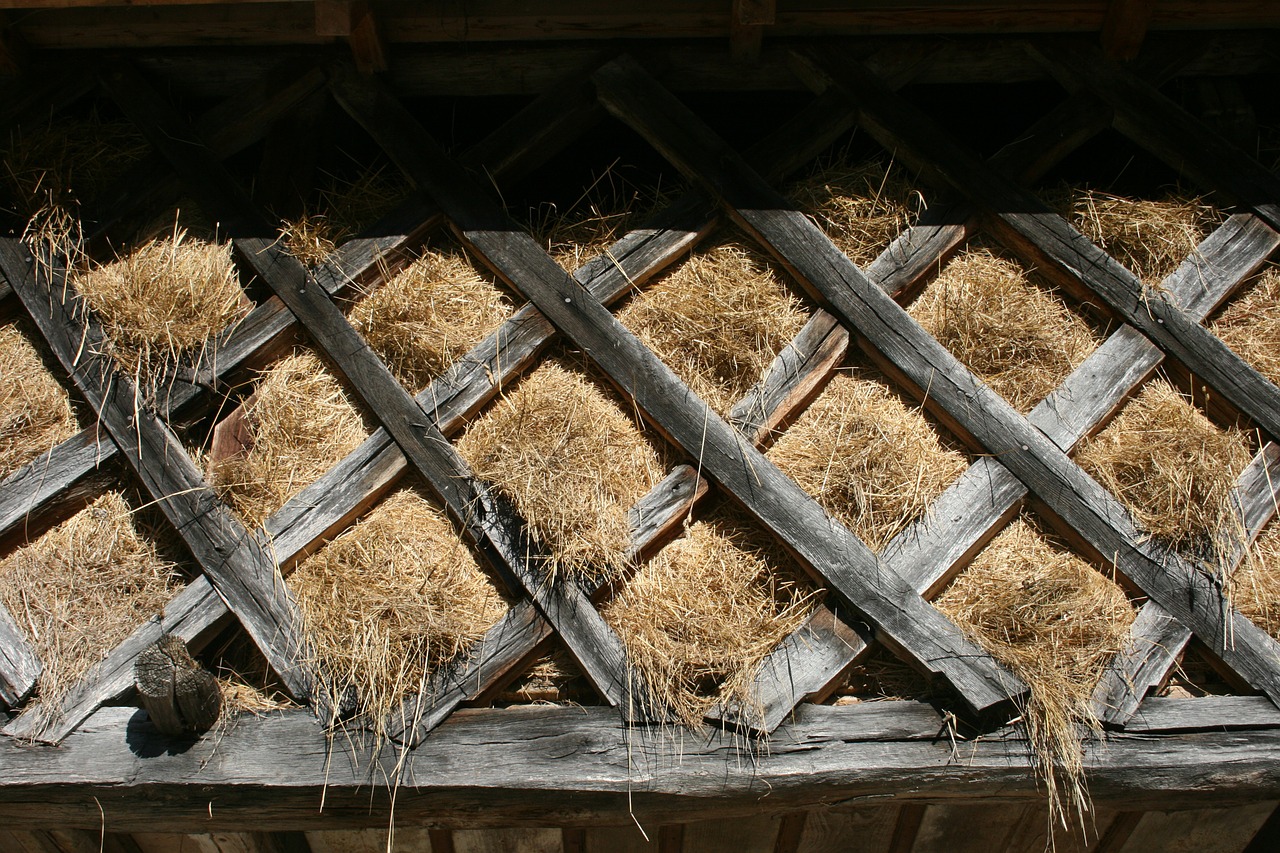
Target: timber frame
column 453, row 762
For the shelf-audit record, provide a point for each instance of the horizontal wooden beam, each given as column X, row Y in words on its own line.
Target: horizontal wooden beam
column 558, row 766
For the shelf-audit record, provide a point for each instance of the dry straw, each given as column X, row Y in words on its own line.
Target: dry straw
column 35, row 412
column 345, row 208
column 699, row 617
column 82, row 588
column 862, row 207
column 1055, row 622
column 389, row 601
column 571, row 461
column 1019, row 339
column 1172, row 468
column 717, row 320
column 1255, row 586
column 1149, row 236
column 871, row 461
column 1250, row 325
column 298, row 424
column 430, row 314
column 164, row 302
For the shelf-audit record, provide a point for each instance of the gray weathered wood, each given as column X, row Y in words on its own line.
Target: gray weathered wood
column 897, row 342
column 231, row 557
column 580, row 767
column 178, row 695
column 19, row 666
column 925, row 635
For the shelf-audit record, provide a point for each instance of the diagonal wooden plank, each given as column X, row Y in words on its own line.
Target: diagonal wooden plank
column 19, row 666
column 489, row 525
column 908, row 622
column 235, row 561
column 901, row 346
column 1028, row 225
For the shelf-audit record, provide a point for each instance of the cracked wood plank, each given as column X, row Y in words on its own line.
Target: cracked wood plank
column 924, row 635
column 1073, row 500
column 235, row 561
column 19, row 666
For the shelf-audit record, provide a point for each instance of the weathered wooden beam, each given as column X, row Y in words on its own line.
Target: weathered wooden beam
column 19, row 666
column 235, row 561
column 900, row 345
column 540, row 766
column 922, row 632
column 1125, row 27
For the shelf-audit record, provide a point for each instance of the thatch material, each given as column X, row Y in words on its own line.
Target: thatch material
column 608, row 208
column 871, row 461
column 1149, row 236
column 344, row 209
column 1055, row 621
column 299, row 423
column 1250, row 325
column 572, row 462
column 1255, row 586
column 717, row 320
column 862, row 207
column 35, row 411
column 1019, row 339
column 1171, row 467
column 431, row 313
column 165, row 301
column 699, row 617
column 389, row 601
column 82, row 588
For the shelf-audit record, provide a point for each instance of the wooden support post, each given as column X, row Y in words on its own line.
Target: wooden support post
column 180, row 697
column 1125, row 27
column 19, row 666
column 747, row 20
column 354, row 21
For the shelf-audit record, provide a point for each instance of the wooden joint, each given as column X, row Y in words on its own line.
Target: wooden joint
column 1125, row 27
column 354, row 21
column 747, row 20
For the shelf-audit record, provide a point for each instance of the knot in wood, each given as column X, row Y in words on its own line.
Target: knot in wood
column 180, row 696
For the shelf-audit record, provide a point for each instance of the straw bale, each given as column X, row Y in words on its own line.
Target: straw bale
column 1019, row 339
column 862, row 207
column 717, row 320
column 1172, row 468
column 572, row 462
column 611, row 205
column 346, row 206
column 300, row 423
column 871, row 461
column 35, row 412
column 82, row 588
column 1255, row 586
column 699, row 617
column 430, row 314
column 1151, row 237
column 1055, row 622
column 165, row 301
column 1250, row 325
column 390, row 600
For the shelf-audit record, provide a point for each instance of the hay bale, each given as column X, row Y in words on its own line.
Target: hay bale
column 390, row 600
column 862, row 207
column 165, row 302
column 430, row 314
column 717, row 320
column 699, row 617
column 346, row 206
column 1151, row 237
column 35, row 411
column 1255, row 585
column 298, row 424
column 82, row 588
column 613, row 204
column 572, row 462
column 1021, row 340
column 1055, row 622
column 1250, row 325
column 871, row 461
column 1172, row 468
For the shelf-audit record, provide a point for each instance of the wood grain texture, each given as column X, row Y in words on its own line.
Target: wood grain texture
column 19, row 666
column 927, row 637
column 580, row 767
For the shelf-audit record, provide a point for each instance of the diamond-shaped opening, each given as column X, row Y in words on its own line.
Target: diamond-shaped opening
column 982, row 117
column 861, row 205
column 36, row 412
column 871, row 459
column 389, row 601
column 567, row 453
column 1173, row 469
column 426, row 316
column 84, row 586
column 297, row 424
column 553, row 678
column 1019, row 338
column 718, row 318
column 699, row 617
column 1250, row 324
